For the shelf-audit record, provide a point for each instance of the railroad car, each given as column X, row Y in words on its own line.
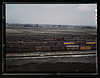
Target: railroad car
column 58, row 39
column 43, row 43
column 10, row 49
column 70, row 39
column 45, row 39
column 57, row 48
column 27, row 40
column 51, row 43
column 65, row 38
column 79, row 42
column 32, row 43
column 60, row 45
column 72, row 47
column 89, row 39
column 59, row 42
column 85, row 47
column 12, row 44
column 93, row 47
column 69, row 43
column 80, row 39
column 90, row 42
column 26, row 49
column 42, row 48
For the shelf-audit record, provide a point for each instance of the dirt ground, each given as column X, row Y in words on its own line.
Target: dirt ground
column 56, row 67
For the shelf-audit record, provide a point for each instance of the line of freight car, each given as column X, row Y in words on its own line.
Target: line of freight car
column 49, row 43
column 57, row 48
column 48, row 48
column 63, row 48
column 77, row 47
column 20, row 49
column 69, row 39
column 51, row 39
column 74, row 42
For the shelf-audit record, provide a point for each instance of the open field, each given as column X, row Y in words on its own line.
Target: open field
column 48, row 31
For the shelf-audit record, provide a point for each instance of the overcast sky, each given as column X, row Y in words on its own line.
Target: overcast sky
column 66, row 14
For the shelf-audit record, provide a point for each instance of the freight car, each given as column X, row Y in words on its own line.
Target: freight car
column 85, row 47
column 42, row 48
column 10, row 49
column 72, row 47
column 32, row 43
column 59, row 39
column 91, row 43
column 57, row 48
column 26, row 49
column 68, row 43
column 48, row 39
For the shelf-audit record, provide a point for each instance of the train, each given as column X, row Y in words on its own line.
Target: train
column 53, row 44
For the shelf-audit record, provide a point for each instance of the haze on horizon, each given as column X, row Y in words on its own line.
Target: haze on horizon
column 65, row 14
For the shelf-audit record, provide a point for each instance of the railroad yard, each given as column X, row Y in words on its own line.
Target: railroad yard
column 50, row 49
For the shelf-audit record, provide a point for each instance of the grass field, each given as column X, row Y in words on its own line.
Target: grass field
column 47, row 31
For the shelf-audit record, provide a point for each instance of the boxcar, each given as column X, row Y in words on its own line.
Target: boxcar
column 90, row 42
column 32, row 43
column 58, row 48
column 26, row 48
column 71, row 39
column 60, row 42
column 58, row 39
column 48, row 39
column 42, row 48
column 85, row 47
column 66, row 43
column 10, row 49
column 72, row 47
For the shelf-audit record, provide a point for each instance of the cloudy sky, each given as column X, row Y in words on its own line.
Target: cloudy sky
column 66, row 14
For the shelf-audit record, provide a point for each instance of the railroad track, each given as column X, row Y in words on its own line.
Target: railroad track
column 42, row 54
column 46, row 56
column 89, row 58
